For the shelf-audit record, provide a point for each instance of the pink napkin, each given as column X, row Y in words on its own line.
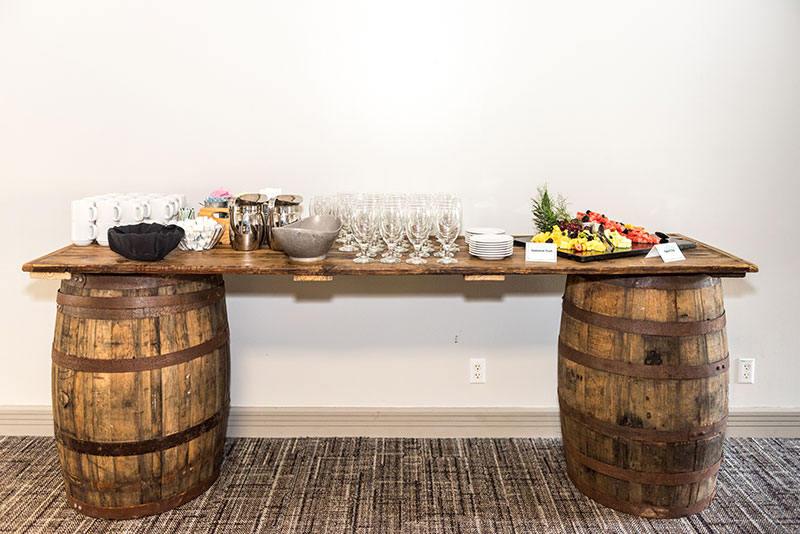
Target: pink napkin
column 220, row 193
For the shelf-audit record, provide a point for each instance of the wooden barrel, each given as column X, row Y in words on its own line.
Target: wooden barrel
column 141, row 390
column 643, row 391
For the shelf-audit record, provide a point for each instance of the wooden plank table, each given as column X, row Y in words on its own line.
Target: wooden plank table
column 643, row 370
column 224, row 260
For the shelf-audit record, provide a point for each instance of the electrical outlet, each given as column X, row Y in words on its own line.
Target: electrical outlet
column 477, row 371
column 747, row 370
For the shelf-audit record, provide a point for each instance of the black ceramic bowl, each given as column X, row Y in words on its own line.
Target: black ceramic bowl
column 144, row 241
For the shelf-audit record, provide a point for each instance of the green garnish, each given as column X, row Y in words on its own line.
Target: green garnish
column 546, row 212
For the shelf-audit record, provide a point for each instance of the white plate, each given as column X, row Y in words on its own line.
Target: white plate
column 492, row 257
column 484, row 230
column 493, row 254
column 497, row 249
column 490, row 250
column 469, row 233
column 475, row 243
column 491, row 238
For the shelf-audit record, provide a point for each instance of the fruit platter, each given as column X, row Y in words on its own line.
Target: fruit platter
column 590, row 235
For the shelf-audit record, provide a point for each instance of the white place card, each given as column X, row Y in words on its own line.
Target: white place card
column 540, row 252
column 668, row 252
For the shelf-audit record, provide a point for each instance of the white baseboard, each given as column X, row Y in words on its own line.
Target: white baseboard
column 394, row 422
column 256, row 421
column 26, row 421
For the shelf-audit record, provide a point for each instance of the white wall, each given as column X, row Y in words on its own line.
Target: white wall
column 681, row 116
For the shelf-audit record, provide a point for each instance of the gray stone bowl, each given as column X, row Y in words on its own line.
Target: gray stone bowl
column 309, row 239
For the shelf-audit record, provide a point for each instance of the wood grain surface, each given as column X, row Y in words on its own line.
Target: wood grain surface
column 224, row 260
column 643, row 390
column 141, row 390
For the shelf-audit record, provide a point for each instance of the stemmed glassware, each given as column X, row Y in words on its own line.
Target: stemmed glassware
column 376, row 201
column 424, row 198
column 402, row 246
column 418, row 227
column 391, row 228
column 447, row 216
column 322, row 205
column 395, row 220
column 344, row 204
column 363, row 222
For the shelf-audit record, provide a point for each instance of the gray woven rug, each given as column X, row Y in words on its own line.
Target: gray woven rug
column 367, row 485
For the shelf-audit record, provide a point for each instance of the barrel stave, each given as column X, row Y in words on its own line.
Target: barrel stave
column 142, row 406
column 643, row 403
column 643, row 375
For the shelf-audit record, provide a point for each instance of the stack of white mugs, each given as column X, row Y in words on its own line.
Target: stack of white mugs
column 93, row 216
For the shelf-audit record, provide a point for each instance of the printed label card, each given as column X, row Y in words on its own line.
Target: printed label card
column 668, row 252
column 540, row 252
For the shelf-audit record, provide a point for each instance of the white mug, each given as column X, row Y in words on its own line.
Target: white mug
column 132, row 211
column 181, row 199
column 102, row 231
column 108, row 210
column 176, row 205
column 147, row 209
column 162, row 209
column 84, row 210
column 83, row 233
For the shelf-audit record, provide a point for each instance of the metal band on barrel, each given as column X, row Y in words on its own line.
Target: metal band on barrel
column 117, row 308
column 198, row 463
column 642, row 434
column 669, row 282
column 638, row 508
column 132, row 448
column 144, row 363
column 131, row 281
column 140, row 510
column 637, row 326
column 641, row 477
column 640, row 370
column 127, row 303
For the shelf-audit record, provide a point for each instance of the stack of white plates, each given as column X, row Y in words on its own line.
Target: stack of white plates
column 481, row 230
column 491, row 247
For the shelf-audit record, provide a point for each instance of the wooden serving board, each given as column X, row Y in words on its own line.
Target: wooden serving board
column 225, row 221
column 637, row 249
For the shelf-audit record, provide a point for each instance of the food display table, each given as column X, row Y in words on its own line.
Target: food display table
column 141, row 371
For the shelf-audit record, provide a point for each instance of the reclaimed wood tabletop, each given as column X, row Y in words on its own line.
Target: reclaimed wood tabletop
column 222, row 259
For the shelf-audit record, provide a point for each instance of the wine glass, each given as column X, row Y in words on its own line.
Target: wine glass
column 425, row 198
column 391, row 229
column 376, row 201
column 363, row 225
column 322, row 205
column 447, row 226
column 448, row 197
column 344, row 202
column 418, row 228
column 401, row 199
